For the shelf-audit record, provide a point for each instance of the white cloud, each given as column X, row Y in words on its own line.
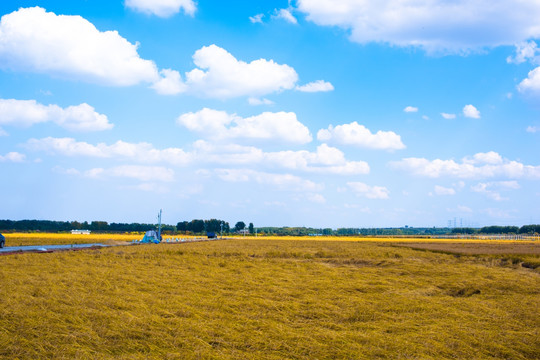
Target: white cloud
column 448, row 116
column 66, row 46
column 441, row 190
column 481, row 165
column 491, row 189
column 326, row 160
column 359, row 135
column 280, row 181
column 316, row 198
column 29, row 112
column 170, row 83
column 280, row 126
column 463, row 208
column 142, row 173
column 532, row 83
column 436, row 26
column 32, row 39
column 370, row 192
column 142, row 152
column 162, row 8
column 498, row 213
column 525, row 51
column 227, row 154
column 256, row 18
column 471, row 112
column 256, row 101
column 316, row 86
column 533, row 129
column 286, row 15
column 490, row 157
column 221, row 75
column 12, row 157
column 410, row 109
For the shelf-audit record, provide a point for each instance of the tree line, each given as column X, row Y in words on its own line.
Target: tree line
column 525, row 229
column 194, row 226
column 199, row 226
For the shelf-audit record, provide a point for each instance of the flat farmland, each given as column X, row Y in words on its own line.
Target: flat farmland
column 270, row 299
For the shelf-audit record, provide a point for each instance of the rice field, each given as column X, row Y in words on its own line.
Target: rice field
column 271, row 299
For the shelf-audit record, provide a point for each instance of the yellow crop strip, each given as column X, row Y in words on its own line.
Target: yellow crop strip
column 22, row 239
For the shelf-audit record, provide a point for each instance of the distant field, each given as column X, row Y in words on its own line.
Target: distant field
column 21, row 239
column 268, row 299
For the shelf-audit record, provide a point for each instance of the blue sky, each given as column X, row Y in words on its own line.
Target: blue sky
column 301, row 113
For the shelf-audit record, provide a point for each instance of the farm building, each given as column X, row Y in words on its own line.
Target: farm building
column 80, row 232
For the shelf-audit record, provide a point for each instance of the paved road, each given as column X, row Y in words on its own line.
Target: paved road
column 47, row 247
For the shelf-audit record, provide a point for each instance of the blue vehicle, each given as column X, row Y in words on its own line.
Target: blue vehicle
column 153, row 236
column 2, row 241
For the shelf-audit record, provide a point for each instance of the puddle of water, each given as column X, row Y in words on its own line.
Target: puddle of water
column 48, row 247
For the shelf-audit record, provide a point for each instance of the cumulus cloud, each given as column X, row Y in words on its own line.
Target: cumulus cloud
column 410, row 109
column 12, row 157
column 221, row 75
column 437, row 26
column 256, row 18
column 280, row 126
column 280, row 181
column 492, row 189
column 257, row 101
column 533, row 129
column 316, row 86
column 32, row 39
column 170, row 83
column 531, row 84
column 162, row 8
column 370, row 192
column 138, row 172
column 71, row 47
column 471, row 112
column 142, row 152
column 481, row 165
column 490, row 157
column 316, row 198
column 448, row 116
column 29, row 112
column 358, row 135
column 525, row 51
column 286, row 15
column 441, row 190
column 326, row 160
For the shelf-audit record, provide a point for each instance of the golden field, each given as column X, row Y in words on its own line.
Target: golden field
column 23, row 239
column 271, row 299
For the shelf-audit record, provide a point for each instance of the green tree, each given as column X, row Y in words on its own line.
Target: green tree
column 240, row 226
column 251, row 228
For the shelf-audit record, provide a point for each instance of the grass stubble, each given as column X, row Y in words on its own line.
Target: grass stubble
column 268, row 299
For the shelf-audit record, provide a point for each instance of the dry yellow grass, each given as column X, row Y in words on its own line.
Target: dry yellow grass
column 267, row 299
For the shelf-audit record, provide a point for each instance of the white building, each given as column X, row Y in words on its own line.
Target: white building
column 80, row 232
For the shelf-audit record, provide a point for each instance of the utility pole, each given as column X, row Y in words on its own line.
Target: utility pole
column 159, row 225
column 221, row 225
